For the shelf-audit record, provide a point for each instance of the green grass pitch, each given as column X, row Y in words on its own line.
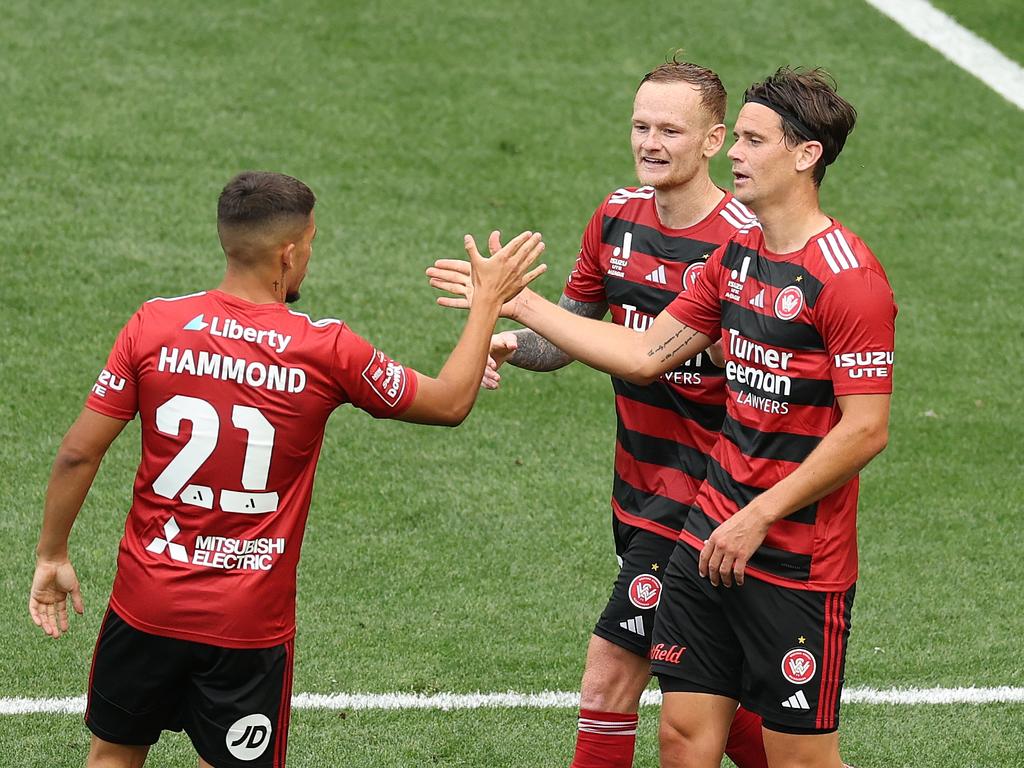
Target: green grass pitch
column 478, row 558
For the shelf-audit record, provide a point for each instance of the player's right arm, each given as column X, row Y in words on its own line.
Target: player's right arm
column 636, row 357
column 448, row 398
column 74, row 469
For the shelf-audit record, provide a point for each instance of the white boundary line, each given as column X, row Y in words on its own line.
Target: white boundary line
column 961, row 46
column 72, row 705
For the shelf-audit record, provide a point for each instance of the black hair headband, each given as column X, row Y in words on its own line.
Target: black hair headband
column 786, row 115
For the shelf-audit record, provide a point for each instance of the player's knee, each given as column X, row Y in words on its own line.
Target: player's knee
column 103, row 754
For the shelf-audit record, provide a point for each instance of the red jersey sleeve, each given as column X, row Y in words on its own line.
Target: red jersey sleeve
column 586, row 281
column 856, row 316
column 369, row 379
column 116, row 391
column 699, row 306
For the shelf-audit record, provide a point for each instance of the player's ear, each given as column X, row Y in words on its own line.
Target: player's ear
column 807, row 155
column 714, row 140
column 288, row 256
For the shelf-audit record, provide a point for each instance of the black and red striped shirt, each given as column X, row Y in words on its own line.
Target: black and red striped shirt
column 798, row 330
column 666, row 429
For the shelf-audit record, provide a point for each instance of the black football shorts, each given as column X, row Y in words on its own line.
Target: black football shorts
column 628, row 619
column 780, row 652
column 233, row 703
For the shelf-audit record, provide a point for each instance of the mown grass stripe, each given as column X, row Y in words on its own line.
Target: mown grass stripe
column 961, row 46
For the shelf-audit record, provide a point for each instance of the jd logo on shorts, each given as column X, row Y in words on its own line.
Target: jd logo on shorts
column 249, row 737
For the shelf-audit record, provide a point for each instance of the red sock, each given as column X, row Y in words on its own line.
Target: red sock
column 745, row 746
column 605, row 740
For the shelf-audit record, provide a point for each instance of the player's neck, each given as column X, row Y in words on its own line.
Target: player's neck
column 790, row 222
column 688, row 204
column 251, row 287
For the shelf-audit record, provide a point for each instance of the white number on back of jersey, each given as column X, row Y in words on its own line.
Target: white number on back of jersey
column 173, row 481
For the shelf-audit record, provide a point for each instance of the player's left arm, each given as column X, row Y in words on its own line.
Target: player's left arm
column 74, row 470
column 861, row 433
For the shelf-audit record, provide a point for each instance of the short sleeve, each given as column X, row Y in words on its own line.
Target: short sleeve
column 369, row 379
column 856, row 317
column 699, row 305
column 116, row 391
column 586, row 281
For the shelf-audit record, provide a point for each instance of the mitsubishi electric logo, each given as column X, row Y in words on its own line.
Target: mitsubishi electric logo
column 229, row 328
column 171, row 531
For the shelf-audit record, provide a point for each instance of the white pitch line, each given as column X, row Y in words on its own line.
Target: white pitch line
column 961, row 46
column 72, row 705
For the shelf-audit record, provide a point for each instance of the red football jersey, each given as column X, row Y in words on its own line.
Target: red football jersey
column 233, row 398
column 798, row 330
column 666, row 429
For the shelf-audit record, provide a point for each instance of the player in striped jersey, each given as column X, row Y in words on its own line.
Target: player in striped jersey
column 807, row 321
column 641, row 248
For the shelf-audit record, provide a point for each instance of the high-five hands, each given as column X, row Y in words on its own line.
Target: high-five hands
column 456, row 277
column 504, row 274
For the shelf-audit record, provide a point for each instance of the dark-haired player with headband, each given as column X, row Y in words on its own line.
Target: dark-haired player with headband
column 758, row 593
column 642, row 247
column 233, row 390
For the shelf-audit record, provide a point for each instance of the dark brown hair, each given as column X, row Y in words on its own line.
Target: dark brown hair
column 712, row 93
column 810, row 110
column 257, row 198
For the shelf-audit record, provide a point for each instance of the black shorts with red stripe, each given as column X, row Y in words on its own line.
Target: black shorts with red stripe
column 780, row 652
column 234, row 703
column 628, row 618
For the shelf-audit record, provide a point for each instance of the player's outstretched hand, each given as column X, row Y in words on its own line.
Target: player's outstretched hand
column 502, row 346
column 47, row 602
column 456, row 275
column 506, row 273
column 452, row 275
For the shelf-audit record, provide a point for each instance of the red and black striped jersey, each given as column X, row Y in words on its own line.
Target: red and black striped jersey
column 798, row 330
column 666, row 429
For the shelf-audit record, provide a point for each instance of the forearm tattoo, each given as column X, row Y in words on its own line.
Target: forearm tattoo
column 535, row 353
column 673, row 344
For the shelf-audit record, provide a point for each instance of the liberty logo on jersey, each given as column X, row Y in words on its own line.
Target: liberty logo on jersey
column 229, row 328
column 799, row 666
column 645, row 591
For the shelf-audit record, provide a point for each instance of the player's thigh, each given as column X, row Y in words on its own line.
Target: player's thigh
column 628, row 618
column 694, row 648
column 794, row 644
column 136, row 685
column 787, row 750
column 239, row 704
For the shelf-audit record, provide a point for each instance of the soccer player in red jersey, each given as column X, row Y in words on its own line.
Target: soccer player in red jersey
column 806, row 317
column 233, row 390
column 642, row 247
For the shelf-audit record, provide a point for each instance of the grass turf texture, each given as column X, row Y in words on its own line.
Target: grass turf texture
column 477, row 559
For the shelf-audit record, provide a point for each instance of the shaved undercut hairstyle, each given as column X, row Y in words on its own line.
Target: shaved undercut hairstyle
column 257, row 207
column 712, row 93
column 810, row 109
